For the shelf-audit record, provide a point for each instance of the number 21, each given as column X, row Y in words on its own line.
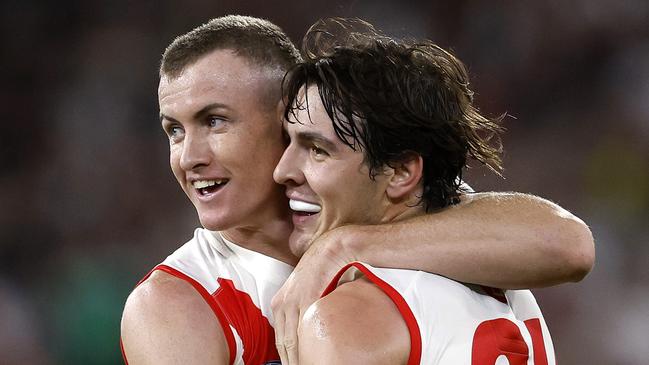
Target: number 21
column 502, row 337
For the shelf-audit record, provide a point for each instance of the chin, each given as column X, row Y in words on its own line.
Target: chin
column 214, row 223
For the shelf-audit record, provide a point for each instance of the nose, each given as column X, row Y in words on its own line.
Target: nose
column 287, row 171
column 195, row 151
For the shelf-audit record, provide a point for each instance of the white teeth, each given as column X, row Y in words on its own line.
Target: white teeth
column 300, row 206
column 200, row 184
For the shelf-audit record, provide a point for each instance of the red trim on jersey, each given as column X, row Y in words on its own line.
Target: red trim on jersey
column 121, row 348
column 145, row 277
column 397, row 299
column 227, row 331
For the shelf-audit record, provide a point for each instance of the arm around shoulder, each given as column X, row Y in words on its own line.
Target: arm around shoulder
column 165, row 321
column 504, row 240
column 559, row 243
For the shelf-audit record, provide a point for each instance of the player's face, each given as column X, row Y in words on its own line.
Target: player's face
column 327, row 182
column 224, row 140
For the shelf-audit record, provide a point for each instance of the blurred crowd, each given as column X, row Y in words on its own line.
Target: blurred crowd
column 88, row 203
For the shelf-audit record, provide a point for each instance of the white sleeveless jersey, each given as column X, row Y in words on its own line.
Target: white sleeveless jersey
column 238, row 284
column 454, row 323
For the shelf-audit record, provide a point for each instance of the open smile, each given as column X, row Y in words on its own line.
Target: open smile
column 303, row 212
column 207, row 188
column 304, row 208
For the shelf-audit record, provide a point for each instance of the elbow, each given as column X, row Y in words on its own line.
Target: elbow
column 583, row 258
column 577, row 248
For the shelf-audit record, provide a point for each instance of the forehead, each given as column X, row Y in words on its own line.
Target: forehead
column 222, row 74
column 310, row 115
column 309, row 112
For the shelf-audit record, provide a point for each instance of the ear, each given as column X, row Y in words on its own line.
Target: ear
column 407, row 174
column 279, row 110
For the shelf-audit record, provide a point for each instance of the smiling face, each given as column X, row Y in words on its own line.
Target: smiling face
column 327, row 182
column 225, row 139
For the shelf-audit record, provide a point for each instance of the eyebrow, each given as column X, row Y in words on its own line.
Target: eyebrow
column 304, row 137
column 199, row 114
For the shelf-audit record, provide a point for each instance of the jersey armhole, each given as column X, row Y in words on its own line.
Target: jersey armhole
column 411, row 322
column 227, row 331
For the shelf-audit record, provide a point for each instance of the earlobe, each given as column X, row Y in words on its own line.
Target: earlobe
column 407, row 174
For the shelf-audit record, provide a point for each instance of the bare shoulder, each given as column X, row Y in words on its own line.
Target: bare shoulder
column 357, row 322
column 166, row 321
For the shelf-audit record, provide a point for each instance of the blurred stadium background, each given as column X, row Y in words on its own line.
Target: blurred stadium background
column 89, row 205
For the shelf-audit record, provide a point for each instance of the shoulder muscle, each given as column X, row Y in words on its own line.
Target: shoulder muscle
column 165, row 321
column 356, row 323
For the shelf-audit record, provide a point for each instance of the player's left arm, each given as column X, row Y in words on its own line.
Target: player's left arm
column 502, row 240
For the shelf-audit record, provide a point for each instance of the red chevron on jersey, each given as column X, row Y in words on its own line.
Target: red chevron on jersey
column 257, row 335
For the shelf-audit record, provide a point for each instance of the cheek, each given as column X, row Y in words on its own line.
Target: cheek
column 268, row 154
column 359, row 193
column 174, row 162
column 257, row 164
column 325, row 181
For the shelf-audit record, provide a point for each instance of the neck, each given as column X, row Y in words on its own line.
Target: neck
column 270, row 239
column 401, row 214
column 404, row 209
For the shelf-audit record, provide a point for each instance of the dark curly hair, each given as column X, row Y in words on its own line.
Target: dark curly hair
column 391, row 98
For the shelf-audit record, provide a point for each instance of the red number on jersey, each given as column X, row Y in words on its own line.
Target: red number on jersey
column 502, row 337
column 534, row 327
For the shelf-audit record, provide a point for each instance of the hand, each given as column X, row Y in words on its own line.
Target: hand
column 317, row 267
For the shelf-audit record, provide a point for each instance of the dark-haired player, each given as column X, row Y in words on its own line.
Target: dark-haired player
column 379, row 131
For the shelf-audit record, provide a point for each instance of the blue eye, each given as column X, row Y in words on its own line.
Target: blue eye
column 214, row 121
column 175, row 131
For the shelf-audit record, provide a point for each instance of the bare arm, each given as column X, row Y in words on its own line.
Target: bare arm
column 503, row 240
column 166, row 322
